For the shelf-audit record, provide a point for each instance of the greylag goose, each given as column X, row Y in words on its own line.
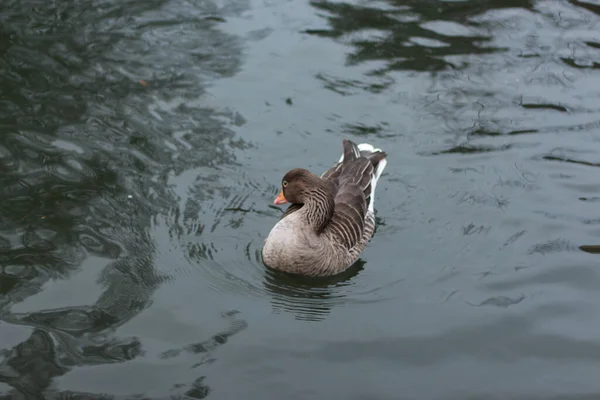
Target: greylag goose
column 331, row 218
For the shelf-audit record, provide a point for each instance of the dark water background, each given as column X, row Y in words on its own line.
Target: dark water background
column 142, row 143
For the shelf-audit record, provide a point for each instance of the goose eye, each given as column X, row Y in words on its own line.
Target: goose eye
column 284, row 183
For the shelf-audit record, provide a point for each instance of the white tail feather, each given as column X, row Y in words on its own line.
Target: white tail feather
column 380, row 167
column 367, row 147
column 362, row 147
column 376, row 175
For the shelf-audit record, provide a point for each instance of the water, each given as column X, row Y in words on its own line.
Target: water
column 142, row 144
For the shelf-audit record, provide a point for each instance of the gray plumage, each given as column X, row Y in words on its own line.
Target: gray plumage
column 331, row 218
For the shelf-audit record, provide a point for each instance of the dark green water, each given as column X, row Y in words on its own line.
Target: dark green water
column 142, row 144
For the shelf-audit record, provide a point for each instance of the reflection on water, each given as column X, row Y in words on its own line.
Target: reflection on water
column 93, row 123
column 309, row 299
column 399, row 33
column 141, row 145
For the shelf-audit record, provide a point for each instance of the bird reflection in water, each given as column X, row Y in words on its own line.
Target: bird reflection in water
column 309, row 298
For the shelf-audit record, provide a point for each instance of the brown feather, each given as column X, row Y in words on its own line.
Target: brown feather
column 351, row 151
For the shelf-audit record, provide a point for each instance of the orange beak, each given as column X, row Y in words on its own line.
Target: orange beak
column 280, row 199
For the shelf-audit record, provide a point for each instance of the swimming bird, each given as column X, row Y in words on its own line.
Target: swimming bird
column 331, row 217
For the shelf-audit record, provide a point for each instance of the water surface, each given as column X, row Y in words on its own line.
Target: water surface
column 142, row 144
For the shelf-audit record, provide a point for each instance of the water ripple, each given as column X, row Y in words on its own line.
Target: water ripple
column 141, row 146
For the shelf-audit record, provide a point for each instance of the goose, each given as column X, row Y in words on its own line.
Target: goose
column 331, row 217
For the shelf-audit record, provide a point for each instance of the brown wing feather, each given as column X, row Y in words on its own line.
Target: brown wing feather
column 351, row 151
column 358, row 173
column 333, row 173
column 374, row 158
column 348, row 221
